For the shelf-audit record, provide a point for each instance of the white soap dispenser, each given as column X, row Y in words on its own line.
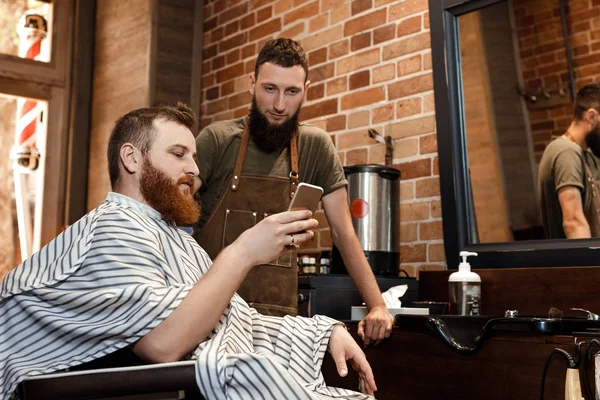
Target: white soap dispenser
column 464, row 288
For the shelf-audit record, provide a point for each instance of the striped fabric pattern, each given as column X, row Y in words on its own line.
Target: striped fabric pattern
column 117, row 273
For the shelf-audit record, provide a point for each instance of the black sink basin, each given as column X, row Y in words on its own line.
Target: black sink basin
column 465, row 334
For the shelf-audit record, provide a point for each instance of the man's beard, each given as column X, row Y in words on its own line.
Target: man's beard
column 592, row 140
column 267, row 136
column 164, row 195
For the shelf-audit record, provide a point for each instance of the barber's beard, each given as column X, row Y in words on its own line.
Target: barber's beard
column 164, row 195
column 271, row 137
column 592, row 140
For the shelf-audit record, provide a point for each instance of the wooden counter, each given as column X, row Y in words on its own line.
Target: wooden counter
column 419, row 365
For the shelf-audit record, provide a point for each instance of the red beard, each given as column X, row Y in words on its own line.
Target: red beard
column 164, row 195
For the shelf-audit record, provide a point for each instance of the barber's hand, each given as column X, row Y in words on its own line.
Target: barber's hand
column 270, row 237
column 376, row 326
column 343, row 348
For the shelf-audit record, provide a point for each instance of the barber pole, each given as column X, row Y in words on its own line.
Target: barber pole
column 32, row 30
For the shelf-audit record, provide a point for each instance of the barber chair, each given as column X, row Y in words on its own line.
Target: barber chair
column 107, row 379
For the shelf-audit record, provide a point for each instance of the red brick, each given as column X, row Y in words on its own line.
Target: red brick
column 322, row 38
column 265, row 29
column 407, row 87
column 249, row 50
column 408, row 108
column 428, row 188
column 408, row 45
column 210, row 24
column 338, row 49
column 294, row 31
column 317, row 56
column 233, row 13
column 336, row 123
column 233, row 56
column 239, row 99
column 354, row 139
column 230, row 72
column 241, row 112
column 340, row 13
column 233, row 42
column 408, row 7
column 363, row 98
column 415, row 169
column 409, row 65
column 282, row 6
column 384, row 33
column 426, row 20
column 216, row 106
column 316, row 92
column 357, row 156
column 411, row 127
column 254, row 4
column 336, row 86
column 320, row 109
column 321, row 73
column 365, row 22
column 307, row 11
column 360, row 41
column 208, row 80
column 206, row 68
column 409, row 26
column 227, row 88
column 209, row 52
column 359, row 79
column 232, row 28
column 217, row 34
column 383, row 114
column 428, row 144
column 436, row 209
column 413, row 253
column 264, row 14
column 317, row 23
column 359, row 6
column 384, row 73
column 250, row 65
column 212, row 93
column 436, row 252
column 358, row 61
column 248, row 21
column 218, row 63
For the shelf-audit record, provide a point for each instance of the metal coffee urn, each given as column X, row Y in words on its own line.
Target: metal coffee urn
column 374, row 200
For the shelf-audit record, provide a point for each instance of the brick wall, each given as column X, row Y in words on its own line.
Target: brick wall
column 370, row 67
column 543, row 57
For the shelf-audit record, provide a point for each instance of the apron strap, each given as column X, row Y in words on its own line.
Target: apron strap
column 294, row 165
column 239, row 162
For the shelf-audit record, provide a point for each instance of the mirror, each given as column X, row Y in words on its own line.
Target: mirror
column 503, row 82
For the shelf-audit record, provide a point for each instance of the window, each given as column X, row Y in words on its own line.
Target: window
column 34, row 113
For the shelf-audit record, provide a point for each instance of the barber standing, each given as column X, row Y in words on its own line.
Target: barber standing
column 250, row 168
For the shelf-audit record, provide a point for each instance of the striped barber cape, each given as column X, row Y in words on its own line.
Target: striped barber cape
column 113, row 276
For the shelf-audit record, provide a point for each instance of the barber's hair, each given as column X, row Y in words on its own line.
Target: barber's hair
column 284, row 53
column 137, row 127
column 587, row 97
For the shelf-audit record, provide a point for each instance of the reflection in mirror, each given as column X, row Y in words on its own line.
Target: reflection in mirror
column 25, row 28
column 516, row 94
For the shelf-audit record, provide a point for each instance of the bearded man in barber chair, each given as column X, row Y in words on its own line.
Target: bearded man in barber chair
column 569, row 173
column 125, row 276
column 250, row 167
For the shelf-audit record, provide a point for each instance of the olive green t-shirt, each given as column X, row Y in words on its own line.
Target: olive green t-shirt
column 217, row 147
column 563, row 164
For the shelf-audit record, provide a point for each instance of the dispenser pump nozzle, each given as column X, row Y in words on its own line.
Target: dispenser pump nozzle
column 464, row 265
column 465, row 254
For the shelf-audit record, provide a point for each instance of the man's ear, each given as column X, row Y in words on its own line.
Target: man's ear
column 130, row 158
column 251, row 83
column 306, row 86
column 592, row 116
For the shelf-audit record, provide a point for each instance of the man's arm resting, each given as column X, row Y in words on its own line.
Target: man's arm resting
column 574, row 222
column 195, row 317
column 337, row 212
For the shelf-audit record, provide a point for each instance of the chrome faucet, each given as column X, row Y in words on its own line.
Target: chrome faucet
column 590, row 315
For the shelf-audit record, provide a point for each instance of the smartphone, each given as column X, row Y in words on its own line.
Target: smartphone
column 307, row 197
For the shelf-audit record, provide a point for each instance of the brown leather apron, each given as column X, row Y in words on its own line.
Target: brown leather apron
column 270, row 288
column 592, row 214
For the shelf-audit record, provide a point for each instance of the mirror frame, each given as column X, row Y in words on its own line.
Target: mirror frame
column 458, row 214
